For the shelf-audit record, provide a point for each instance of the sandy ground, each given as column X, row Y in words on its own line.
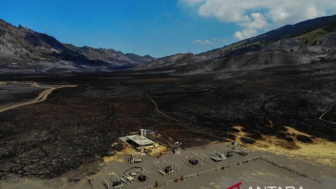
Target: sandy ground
column 253, row 174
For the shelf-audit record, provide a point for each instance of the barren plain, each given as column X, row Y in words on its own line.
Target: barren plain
column 286, row 110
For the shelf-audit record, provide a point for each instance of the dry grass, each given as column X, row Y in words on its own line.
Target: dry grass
column 154, row 151
column 120, row 156
column 321, row 151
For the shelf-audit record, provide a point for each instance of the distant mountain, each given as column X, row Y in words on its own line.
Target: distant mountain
column 306, row 42
column 24, row 50
column 111, row 56
column 176, row 60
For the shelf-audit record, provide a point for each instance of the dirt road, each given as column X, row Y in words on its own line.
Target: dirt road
column 191, row 127
column 40, row 98
column 321, row 117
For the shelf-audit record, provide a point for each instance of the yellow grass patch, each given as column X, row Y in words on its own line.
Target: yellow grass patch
column 321, row 151
column 120, row 156
column 115, row 158
column 154, row 151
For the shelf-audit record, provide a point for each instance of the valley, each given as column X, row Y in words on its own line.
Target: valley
column 72, row 115
column 76, row 126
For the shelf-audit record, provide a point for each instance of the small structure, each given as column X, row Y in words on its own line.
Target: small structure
column 234, row 143
column 231, row 150
column 166, row 167
column 229, row 154
column 169, row 169
column 242, row 153
column 150, row 133
column 142, row 178
column 145, row 132
column 142, row 132
column 116, row 183
column 190, row 160
column 202, row 157
column 217, row 157
column 176, row 150
column 193, row 161
column 133, row 159
column 130, row 174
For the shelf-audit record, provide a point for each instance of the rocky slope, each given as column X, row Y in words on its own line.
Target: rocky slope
column 111, row 56
column 303, row 43
column 172, row 61
column 24, row 50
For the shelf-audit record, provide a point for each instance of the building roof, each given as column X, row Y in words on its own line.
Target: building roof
column 140, row 140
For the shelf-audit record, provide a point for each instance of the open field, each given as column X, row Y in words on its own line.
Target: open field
column 255, row 173
column 273, row 110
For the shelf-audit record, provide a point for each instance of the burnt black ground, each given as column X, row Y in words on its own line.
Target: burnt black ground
column 76, row 126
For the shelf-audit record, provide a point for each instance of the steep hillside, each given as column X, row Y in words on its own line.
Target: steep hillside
column 302, row 43
column 323, row 24
column 24, row 50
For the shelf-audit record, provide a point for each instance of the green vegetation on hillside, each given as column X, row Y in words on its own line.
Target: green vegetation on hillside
column 309, row 30
column 311, row 37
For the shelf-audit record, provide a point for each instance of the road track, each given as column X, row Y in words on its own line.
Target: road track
column 189, row 126
column 321, row 117
column 40, row 98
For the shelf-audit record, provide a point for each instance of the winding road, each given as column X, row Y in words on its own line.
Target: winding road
column 40, row 98
column 321, row 117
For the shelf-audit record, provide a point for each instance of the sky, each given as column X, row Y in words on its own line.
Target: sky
column 159, row 27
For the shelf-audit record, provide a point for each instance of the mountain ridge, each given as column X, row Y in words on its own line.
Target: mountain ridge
column 21, row 47
column 24, row 50
column 298, row 43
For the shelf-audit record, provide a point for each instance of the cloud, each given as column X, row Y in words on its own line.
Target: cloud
column 258, row 21
column 256, row 15
column 203, row 42
column 209, row 41
column 246, row 33
column 218, row 40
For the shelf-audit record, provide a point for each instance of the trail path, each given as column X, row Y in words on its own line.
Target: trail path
column 300, row 91
column 40, row 98
column 187, row 125
column 157, row 110
column 321, row 117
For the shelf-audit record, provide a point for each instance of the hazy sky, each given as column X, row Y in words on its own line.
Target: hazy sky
column 159, row 27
